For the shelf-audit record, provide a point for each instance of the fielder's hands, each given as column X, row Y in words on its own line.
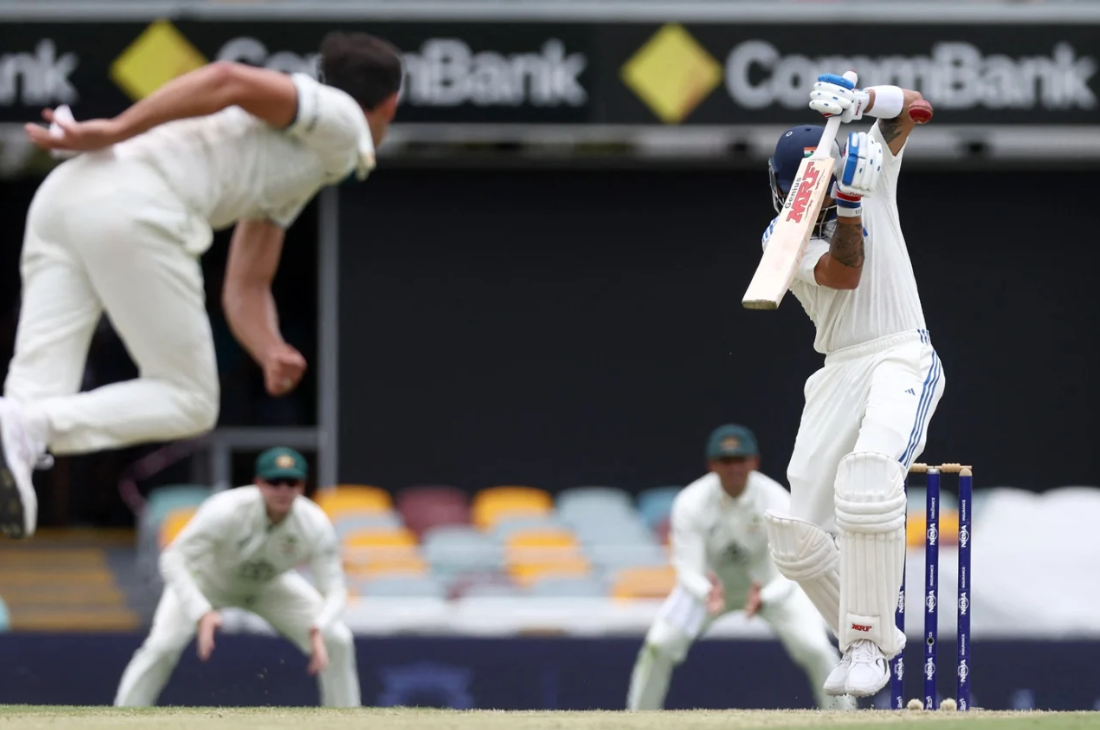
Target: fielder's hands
column 208, row 624
column 835, row 95
column 319, row 659
column 752, row 603
column 74, row 136
column 283, row 369
column 716, row 599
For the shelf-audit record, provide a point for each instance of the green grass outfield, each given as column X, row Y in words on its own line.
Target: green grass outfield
column 20, row 717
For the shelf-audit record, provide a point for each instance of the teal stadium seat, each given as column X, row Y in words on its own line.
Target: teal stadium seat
column 587, row 498
column 455, row 549
column 348, row 522
column 509, row 525
column 656, row 504
column 403, row 586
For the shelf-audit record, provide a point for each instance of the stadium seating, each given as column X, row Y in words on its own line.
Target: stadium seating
column 656, row 504
column 436, row 541
column 173, row 523
column 353, row 497
column 494, row 503
column 402, row 586
column 651, row 583
column 424, row 507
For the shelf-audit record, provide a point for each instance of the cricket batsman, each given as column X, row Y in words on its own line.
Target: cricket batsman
column 867, row 409
column 240, row 550
column 119, row 229
column 720, row 552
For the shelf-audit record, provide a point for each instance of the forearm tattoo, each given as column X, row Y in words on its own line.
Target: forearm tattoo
column 847, row 245
column 890, row 128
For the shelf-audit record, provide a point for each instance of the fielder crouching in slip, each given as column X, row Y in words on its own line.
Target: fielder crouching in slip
column 240, row 550
column 720, row 552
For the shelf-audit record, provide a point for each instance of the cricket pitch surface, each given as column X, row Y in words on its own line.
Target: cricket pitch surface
column 25, row 717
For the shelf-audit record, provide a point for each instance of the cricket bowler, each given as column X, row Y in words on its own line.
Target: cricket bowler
column 720, row 552
column 120, row 227
column 240, row 550
column 867, row 409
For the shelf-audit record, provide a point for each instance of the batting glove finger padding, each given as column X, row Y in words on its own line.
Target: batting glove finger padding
column 833, row 95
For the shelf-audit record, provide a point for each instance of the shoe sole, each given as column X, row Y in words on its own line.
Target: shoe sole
column 12, row 519
column 872, row 693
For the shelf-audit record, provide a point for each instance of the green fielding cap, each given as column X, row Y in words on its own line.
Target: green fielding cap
column 731, row 440
column 281, row 463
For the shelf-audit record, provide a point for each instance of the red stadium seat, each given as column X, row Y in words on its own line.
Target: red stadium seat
column 424, row 507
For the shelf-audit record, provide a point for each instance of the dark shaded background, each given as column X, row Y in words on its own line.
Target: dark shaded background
column 560, row 328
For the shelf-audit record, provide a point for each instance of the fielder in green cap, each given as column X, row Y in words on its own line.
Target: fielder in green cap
column 723, row 563
column 241, row 549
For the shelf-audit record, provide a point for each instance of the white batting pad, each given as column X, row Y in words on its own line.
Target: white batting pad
column 870, row 516
column 806, row 554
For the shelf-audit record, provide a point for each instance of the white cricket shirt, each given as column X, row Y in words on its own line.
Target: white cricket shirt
column 231, row 165
column 713, row 531
column 230, row 549
column 886, row 301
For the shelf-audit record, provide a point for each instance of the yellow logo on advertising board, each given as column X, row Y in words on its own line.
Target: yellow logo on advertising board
column 672, row 73
column 157, row 56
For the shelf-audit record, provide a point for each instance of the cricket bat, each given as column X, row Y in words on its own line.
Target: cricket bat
column 796, row 222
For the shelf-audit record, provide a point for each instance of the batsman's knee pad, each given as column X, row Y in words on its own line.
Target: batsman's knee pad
column 869, row 494
column 870, row 516
column 339, row 639
column 806, row 554
column 667, row 642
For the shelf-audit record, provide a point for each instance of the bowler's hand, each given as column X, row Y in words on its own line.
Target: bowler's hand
column 716, row 600
column 74, row 136
column 319, row 660
column 283, row 369
column 752, row 603
column 208, row 624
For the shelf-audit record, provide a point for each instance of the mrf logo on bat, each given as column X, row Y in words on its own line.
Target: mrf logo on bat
column 801, row 192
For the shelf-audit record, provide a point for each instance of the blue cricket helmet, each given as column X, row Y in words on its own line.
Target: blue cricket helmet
column 793, row 146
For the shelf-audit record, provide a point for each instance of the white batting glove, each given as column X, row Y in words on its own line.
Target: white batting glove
column 856, row 174
column 833, row 94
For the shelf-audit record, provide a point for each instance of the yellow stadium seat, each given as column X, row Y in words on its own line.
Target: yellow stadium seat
column 491, row 504
column 948, row 533
column 173, row 524
column 357, row 497
column 514, row 493
column 380, row 539
column 540, row 545
column 650, row 582
column 377, row 547
column 570, row 565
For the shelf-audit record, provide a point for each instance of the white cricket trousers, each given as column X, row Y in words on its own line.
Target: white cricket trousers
column 108, row 235
column 879, row 396
column 289, row 603
column 683, row 618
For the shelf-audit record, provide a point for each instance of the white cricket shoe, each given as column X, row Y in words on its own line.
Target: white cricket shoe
column 836, row 684
column 20, row 453
column 868, row 671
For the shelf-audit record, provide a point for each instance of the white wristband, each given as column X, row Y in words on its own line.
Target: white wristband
column 889, row 102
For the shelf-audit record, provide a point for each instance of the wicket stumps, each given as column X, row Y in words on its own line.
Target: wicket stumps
column 932, row 591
